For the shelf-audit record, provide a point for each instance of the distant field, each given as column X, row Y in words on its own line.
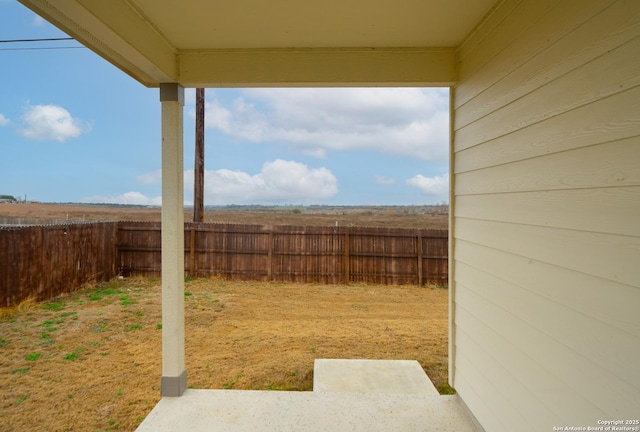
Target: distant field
column 430, row 217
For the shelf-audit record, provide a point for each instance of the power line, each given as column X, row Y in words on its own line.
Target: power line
column 35, row 40
column 42, row 48
column 11, row 41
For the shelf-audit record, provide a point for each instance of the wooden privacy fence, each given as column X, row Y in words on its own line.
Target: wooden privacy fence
column 294, row 254
column 45, row 261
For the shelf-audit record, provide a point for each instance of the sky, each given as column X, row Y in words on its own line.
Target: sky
column 74, row 128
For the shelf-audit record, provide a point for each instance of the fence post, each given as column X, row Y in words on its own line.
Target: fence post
column 270, row 257
column 419, row 253
column 347, row 269
column 192, row 251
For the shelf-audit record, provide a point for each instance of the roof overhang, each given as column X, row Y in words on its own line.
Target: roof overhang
column 247, row 43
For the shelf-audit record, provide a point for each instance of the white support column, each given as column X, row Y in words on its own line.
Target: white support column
column 452, row 238
column 174, row 373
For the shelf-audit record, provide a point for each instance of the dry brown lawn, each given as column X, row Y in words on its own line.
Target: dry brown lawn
column 92, row 360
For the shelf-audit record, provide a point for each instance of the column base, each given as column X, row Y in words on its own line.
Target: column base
column 173, row 386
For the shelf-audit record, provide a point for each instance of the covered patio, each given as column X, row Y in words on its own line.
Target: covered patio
column 354, row 395
column 544, row 196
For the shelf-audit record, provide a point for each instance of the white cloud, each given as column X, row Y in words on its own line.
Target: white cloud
column 279, row 181
column 38, row 21
column 436, row 187
column 404, row 121
column 241, row 120
column 383, row 180
column 126, row 198
column 3, row 120
column 152, row 177
column 51, row 122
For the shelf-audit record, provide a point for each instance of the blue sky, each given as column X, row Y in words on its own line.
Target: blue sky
column 74, row 128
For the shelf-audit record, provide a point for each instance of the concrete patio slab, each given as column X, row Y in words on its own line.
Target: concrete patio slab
column 371, row 376
column 251, row 411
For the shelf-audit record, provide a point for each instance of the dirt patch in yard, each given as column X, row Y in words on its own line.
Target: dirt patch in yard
column 92, row 360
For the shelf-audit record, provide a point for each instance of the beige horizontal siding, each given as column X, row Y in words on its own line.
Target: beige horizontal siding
column 521, row 379
column 517, row 389
column 561, row 95
column 520, row 362
column 576, row 291
column 612, row 164
column 485, row 29
column 612, row 28
column 472, row 381
column 610, row 119
column 529, row 30
column 607, row 256
column 570, row 333
column 476, row 368
column 546, row 215
column 603, row 210
column 499, row 37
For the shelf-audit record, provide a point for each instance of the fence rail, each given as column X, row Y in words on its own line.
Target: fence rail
column 46, row 261
column 292, row 253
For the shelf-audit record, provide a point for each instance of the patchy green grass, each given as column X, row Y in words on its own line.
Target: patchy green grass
column 132, row 327
column 126, row 301
column 75, row 354
column 101, row 327
column 445, row 389
column 54, row 305
column 22, row 399
column 229, row 384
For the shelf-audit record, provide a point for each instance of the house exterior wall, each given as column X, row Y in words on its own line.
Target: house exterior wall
column 546, row 230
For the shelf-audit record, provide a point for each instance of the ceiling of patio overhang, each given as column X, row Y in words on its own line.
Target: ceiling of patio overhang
column 243, row 43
